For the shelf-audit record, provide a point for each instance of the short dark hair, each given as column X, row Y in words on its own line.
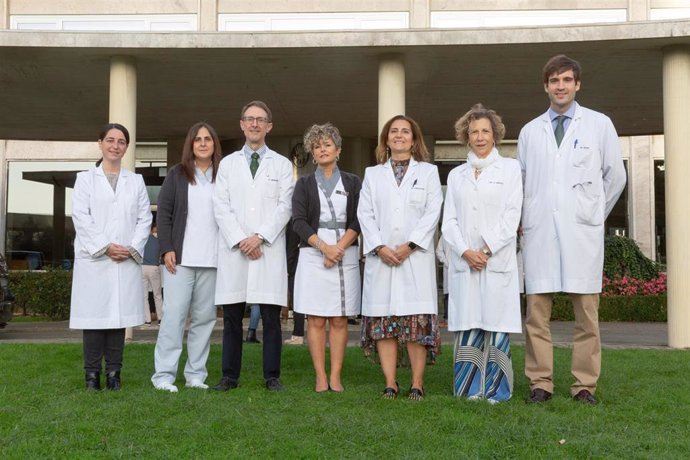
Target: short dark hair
column 559, row 64
column 259, row 104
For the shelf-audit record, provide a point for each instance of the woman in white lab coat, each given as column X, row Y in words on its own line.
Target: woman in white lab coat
column 327, row 280
column 112, row 218
column 480, row 221
column 398, row 211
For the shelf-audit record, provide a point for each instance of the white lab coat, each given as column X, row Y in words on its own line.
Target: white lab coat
column 442, row 254
column 569, row 191
column 107, row 294
column 478, row 212
column 393, row 215
column 244, row 206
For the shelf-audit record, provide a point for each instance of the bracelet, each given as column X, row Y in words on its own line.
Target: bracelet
column 318, row 244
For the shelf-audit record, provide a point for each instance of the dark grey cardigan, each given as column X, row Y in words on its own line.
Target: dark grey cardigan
column 306, row 206
column 171, row 217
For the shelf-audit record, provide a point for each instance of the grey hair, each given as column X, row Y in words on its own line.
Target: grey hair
column 477, row 112
column 317, row 133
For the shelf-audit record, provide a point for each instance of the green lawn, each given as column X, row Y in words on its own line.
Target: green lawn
column 44, row 412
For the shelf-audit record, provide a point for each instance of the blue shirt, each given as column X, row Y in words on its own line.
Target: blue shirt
column 152, row 251
column 553, row 115
column 248, row 153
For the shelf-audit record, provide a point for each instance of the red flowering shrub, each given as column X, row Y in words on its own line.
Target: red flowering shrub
column 629, row 286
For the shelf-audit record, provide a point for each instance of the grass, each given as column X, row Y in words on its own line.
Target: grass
column 44, row 412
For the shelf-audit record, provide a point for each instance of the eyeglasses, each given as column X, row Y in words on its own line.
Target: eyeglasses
column 111, row 140
column 259, row 120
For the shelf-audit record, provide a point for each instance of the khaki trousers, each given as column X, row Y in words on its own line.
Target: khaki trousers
column 586, row 361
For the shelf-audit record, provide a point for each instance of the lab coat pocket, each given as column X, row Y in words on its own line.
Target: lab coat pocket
column 589, row 205
column 270, row 187
column 458, row 264
column 581, row 157
column 417, row 196
column 502, row 261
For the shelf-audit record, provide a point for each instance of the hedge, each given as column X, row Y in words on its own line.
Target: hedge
column 45, row 293
column 617, row 308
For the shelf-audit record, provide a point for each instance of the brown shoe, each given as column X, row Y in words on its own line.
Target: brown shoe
column 539, row 395
column 585, row 397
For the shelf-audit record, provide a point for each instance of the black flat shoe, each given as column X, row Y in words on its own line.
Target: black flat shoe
column 416, row 394
column 225, row 384
column 273, row 384
column 93, row 381
column 113, row 381
column 390, row 392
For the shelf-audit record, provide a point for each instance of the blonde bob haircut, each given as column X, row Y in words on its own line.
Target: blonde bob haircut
column 316, row 134
column 477, row 112
column 419, row 150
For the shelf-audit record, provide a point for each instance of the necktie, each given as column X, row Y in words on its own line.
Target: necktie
column 254, row 165
column 560, row 129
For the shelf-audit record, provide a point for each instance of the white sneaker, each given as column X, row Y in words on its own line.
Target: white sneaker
column 166, row 387
column 197, row 384
column 294, row 340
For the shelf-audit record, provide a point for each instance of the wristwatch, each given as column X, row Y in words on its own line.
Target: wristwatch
column 260, row 237
column 486, row 252
column 412, row 245
column 376, row 250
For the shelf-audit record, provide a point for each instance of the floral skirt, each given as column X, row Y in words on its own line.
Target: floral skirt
column 422, row 329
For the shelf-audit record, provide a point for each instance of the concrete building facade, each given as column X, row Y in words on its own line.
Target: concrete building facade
column 157, row 66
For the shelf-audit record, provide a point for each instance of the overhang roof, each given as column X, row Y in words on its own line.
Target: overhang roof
column 54, row 85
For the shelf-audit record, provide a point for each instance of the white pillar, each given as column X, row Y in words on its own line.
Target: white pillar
column 676, row 75
column 123, row 101
column 391, row 89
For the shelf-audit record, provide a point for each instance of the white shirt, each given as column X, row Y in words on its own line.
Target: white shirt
column 200, row 246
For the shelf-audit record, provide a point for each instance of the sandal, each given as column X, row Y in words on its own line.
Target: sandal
column 416, row 394
column 390, row 392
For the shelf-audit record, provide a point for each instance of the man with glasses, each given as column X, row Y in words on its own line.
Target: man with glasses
column 252, row 204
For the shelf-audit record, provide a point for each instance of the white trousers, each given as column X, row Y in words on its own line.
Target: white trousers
column 190, row 291
column 152, row 282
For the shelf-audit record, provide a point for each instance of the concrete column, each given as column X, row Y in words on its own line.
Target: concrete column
column 391, row 89
column 123, row 101
column 638, row 10
column 4, row 14
column 420, row 14
column 676, row 75
column 207, row 16
column 3, row 194
column 641, row 194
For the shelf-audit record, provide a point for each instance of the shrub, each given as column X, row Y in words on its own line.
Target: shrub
column 44, row 293
column 622, row 257
column 617, row 308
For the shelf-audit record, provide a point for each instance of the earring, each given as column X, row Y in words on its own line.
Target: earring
column 313, row 160
column 337, row 158
column 388, row 150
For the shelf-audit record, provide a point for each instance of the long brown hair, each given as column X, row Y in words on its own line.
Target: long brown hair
column 187, row 162
column 419, row 150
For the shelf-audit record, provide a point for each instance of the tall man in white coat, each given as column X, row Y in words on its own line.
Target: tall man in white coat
column 252, row 203
column 573, row 174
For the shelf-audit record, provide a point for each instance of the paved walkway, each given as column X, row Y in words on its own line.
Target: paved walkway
column 613, row 335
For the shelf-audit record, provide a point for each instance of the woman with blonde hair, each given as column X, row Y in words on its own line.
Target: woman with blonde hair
column 480, row 220
column 327, row 281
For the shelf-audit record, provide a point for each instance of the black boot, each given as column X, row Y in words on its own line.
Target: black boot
column 93, row 381
column 251, row 336
column 113, row 380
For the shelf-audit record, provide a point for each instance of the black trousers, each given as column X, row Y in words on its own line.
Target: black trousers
column 298, row 324
column 100, row 343
column 233, row 336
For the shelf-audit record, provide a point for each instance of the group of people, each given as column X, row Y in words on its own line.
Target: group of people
column 222, row 234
